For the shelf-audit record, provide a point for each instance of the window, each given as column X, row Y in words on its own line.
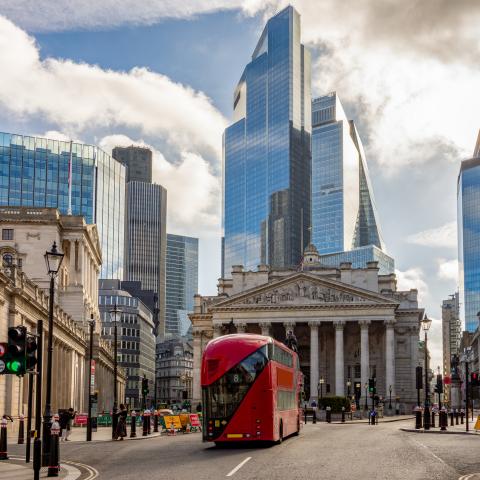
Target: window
column 7, row 233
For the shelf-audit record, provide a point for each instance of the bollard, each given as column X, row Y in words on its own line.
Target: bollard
column 314, row 415
column 149, row 423
column 443, row 419
column 433, row 419
column 418, row 418
column 21, row 429
column 451, row 417
column 3, row 440
column 369, row 417
column 133, row 425
column 456, row 417
column 462, row 414
column 329, row 414
column 146, row 421
column 343, row 414
column 305, row 416
column 54, row 460
column 155, row 421
column 374, row 419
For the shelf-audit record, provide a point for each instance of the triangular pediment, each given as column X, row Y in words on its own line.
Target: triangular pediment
column 304, row 289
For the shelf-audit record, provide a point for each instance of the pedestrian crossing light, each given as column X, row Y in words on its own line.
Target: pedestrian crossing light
column 475, row 379
column 145, row 389
column 371, row 385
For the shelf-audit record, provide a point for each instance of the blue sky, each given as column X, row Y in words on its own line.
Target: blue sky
column 162, row 74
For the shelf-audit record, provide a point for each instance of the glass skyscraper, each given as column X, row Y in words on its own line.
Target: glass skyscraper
column 343, row 208
column 468, row 218
column 182, row 282
column 77, row 179
column 267, row 158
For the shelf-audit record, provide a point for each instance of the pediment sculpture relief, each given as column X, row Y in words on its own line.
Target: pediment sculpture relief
column 302, row 292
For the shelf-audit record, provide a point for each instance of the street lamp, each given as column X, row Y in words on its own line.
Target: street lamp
column 53, row 260
column 91, row 324
column 366, row 395
column 349, row 384
column 115, row 317
column 426, row 324
column 320, row 386
column 466, row 357
column 390, row 400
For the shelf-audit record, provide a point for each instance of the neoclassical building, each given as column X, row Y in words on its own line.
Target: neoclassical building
column 350, row 324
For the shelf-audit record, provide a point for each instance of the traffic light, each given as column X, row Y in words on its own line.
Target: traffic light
column 15, row 357
column 3, row 357
column 371, row 385
column 439, row 385
column 475, row 379
column 145, row 389
column 31, row 348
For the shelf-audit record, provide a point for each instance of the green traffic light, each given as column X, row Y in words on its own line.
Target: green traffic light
column 14, row 366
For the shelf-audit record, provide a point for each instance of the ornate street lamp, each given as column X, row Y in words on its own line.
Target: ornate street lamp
column 349, row 384
column 53, row 260
column 366, row 396
column 426, row 324
column 320, row 386
column 115, row 317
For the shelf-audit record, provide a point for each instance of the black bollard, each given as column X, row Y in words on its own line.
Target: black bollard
column 443, row 419
column 149, row 423
column 54, row 460
column 314, row 415
column 456, row 417
column 418, row 418
column 343, row 414
column 433, row 419
column 21, row 429
column 133, row 426
column 329, row 414
column 3, row 440
column 462, row 414
column 146, row 421
column 369, row 417
column 305, row 411
column 373, row 417
column 451, row 417
column 155, row 421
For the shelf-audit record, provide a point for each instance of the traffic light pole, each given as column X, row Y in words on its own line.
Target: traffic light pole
column 466, row 395
column 89, row 418
column 29, row 416
column 37, row 442
column 47, row 415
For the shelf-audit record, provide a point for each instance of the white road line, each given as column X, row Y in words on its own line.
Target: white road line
column 238, row 467
column 431, row 453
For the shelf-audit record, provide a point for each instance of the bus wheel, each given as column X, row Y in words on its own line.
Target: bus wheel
column 280, row 438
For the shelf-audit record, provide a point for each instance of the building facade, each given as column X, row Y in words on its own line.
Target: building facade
column 451, row 330
column 174, row 371
column 77, row 179
column 138, row 161
column 468, row 205
column 267, row 158
column 351, row 324
column 136, row 340
column 182, row 282
column 343, row 208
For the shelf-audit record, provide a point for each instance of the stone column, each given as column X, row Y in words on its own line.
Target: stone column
column 197, row 358
column 241, row 327
column 389, row 358
column 217, row 330
column 265, row 326
column 314, row 360
column 364, row 356
column 339, row 364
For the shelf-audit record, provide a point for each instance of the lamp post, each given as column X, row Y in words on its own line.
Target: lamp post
column 390, row 399
column 366, row 396
column 349, row 384
column 115, row 317
column 91, row 324
column 320, row 386
column 466, row 357
column 53, row 260
column 426, row 324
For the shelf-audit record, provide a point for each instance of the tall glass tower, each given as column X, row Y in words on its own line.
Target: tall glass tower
column 343, row 208
column 182, row 282
column 267, row 158
column 77, row 179
column 468, row 219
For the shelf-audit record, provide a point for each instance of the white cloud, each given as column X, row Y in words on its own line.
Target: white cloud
column 413, row 278
column 448, row 269
column 80, row 97
column 444, row 236
column 435, row 344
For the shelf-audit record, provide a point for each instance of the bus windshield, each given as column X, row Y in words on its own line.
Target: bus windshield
column 223, row 396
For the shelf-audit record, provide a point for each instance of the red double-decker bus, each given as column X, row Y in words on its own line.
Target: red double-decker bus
column 251, row 389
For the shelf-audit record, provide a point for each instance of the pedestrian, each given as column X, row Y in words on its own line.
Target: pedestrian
column 199, row 407
column 121, row 430
column 66, row 421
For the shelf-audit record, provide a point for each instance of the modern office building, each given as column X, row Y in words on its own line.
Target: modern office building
column 360, row 257
column 77, row 179
column 451, row 332
column 343, row 207
column 468, row 221
column 182, row 282
column 138, row 161
column 145, row 241
column 136, row 340
column 267, row 158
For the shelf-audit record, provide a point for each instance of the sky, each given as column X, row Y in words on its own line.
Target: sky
column 162, row 74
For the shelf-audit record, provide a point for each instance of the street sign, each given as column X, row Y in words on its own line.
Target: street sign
column 92, row 374
column 172, row 420
column 194, row 420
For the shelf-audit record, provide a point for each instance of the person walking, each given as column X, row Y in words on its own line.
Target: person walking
column 121, row 430
column 68, row 415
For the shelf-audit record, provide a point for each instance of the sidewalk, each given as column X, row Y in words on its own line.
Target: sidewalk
column 104, row 434
column 386, row 419
column 16, row 470
column 451, row 429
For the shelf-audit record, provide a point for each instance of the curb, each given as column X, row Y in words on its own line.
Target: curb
column 438, row 432
column 141, row 437
column 362, row 422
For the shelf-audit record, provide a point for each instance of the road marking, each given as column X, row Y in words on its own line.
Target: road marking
column 73, row 472
column 431, row 453
column 238, row 467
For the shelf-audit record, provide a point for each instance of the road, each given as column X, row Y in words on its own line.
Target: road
column 321, row 451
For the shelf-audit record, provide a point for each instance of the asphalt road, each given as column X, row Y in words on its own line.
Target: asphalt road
column 321, row 451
